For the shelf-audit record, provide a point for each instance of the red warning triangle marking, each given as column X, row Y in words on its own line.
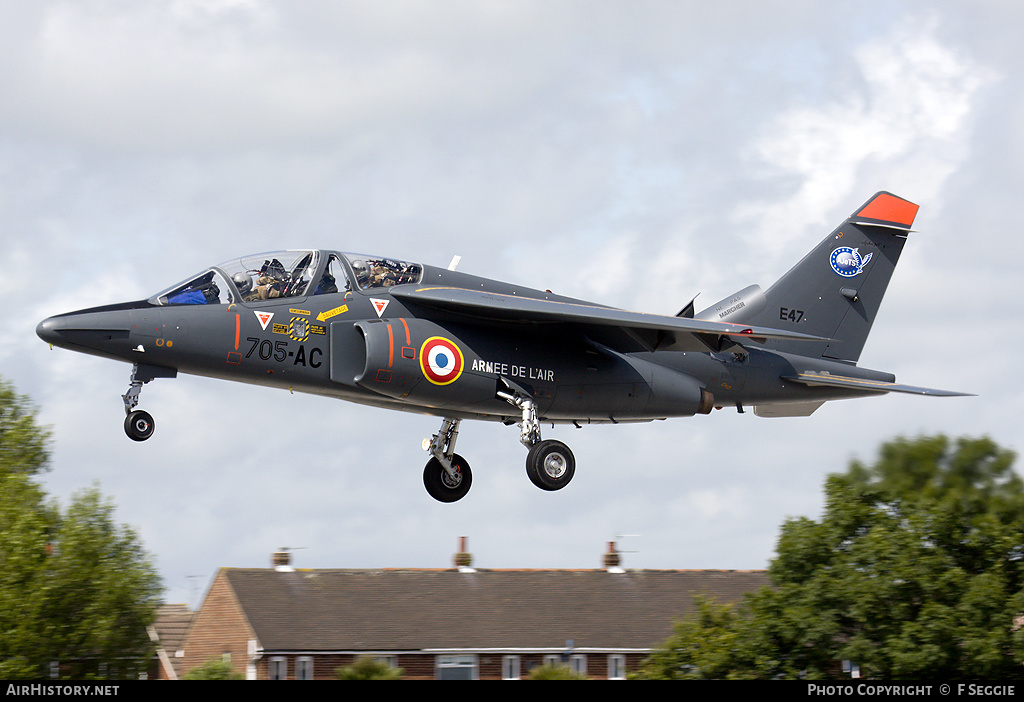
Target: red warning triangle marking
column 380, row 306
column 264, row 318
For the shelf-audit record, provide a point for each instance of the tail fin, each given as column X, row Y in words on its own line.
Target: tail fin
column 835, row 291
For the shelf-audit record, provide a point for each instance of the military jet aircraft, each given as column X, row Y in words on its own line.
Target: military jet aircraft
column 402, row 335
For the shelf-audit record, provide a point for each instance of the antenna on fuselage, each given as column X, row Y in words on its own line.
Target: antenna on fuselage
column 455, row 262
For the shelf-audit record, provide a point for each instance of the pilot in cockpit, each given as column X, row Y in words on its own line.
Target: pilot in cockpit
column 269, row 282
column 381, row 276
column 243, row 282
column 362, row 272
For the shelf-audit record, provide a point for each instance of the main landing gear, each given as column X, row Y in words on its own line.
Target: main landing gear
column 550, row 464
column 447, row 476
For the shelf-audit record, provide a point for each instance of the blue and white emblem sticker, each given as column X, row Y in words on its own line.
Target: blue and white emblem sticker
column 847, row 262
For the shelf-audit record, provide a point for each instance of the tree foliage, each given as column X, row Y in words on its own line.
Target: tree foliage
column 555, row 671
column 916, row 570
column 76, row 588
column 368, row 668
column 23, row 443
column 703, row 647
column 213, row 669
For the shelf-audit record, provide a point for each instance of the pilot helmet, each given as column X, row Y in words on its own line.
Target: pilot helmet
column 361, row 269
column 242, row 281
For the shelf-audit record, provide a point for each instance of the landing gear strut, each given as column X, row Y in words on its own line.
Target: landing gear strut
column 550, row 464
column 447, row 476
column 139, row 424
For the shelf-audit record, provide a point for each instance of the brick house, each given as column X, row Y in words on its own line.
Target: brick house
column 457, row 623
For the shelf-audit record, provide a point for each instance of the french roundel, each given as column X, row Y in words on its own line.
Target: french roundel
column 441, row 360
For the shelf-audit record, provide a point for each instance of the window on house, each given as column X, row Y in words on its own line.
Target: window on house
column 278, row 668
column 578, row 663
column 304, row 668
column 455, row 668
column 616, row 667
column 510, row 667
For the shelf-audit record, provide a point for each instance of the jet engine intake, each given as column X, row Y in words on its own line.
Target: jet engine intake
column 422, row 362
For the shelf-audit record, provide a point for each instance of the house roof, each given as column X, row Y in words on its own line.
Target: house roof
column 170, row 628
column 409, row 609
column 171, row 624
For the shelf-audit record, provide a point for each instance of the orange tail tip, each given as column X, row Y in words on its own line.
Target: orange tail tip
column 887, row 209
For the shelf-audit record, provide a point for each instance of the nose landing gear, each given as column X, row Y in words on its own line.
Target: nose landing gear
column 139, row 424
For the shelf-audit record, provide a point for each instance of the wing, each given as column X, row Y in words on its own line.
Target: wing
column 880, row 386
column 633, row 331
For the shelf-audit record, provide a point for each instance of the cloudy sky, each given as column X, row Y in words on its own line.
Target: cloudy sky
column 635, row 154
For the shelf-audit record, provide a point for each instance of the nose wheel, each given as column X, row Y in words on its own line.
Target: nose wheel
column 139, row 425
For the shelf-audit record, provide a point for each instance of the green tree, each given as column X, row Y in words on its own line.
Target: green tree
column 702, row 647
column 213, row 669
column 554, row 671
column 23, row 443
column 27, row 525
column 916, row 570
column 75, row 587
column 368, row 668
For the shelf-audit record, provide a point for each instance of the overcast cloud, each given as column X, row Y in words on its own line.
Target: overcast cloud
column 636, row 154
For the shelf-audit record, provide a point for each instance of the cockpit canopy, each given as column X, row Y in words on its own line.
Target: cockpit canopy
column 288, row 274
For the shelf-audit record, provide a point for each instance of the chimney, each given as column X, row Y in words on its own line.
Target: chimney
column 612, row 559
column 282, row 561
column 463, row 558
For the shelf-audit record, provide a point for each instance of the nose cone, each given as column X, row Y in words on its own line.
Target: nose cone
column 48, row 330
column 102, row 333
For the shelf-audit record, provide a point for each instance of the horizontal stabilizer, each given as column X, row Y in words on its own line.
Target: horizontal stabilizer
column 839, row 381
column 788, row 409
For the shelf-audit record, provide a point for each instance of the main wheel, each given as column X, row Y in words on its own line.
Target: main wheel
column 550, row 465
column 139, row 425
column 443, row 487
